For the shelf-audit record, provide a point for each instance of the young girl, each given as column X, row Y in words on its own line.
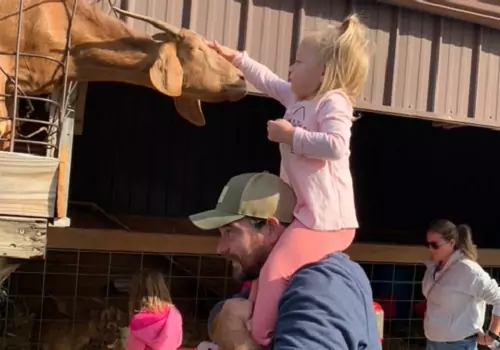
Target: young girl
column 155, row 322
column 328, row 75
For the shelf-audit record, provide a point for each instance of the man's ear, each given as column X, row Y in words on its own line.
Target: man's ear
column 275, row 229
column 190, row 110
column 166, row 74
column 272, row 221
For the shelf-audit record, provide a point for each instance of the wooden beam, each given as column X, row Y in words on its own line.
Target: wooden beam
column 65, row 155
column 125, row 241
column 22, row 237
column 164, row 243
column 28, row 185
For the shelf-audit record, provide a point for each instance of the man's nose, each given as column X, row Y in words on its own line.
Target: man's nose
column 221, row 247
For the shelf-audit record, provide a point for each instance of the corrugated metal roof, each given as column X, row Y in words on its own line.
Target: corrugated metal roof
column 424, row 65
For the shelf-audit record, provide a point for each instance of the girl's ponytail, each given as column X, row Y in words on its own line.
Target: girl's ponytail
column 352, row 30
column 343, row 50
column 465, row 243
column 352, row 56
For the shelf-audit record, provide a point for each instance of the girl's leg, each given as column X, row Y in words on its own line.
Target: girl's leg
column 297, row 247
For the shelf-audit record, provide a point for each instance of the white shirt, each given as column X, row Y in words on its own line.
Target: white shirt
column 456, row 303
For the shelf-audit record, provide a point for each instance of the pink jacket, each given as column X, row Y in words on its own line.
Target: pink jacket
column 155, row 331
column 317, row 165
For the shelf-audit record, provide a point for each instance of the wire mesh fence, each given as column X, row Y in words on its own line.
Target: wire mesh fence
column 31, row 118
column 79, row 299
column 398, row 289
column 34, row 104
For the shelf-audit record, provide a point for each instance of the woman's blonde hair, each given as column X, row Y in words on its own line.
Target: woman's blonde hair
column 344, row 52
column 148, row 292
column 461, row 234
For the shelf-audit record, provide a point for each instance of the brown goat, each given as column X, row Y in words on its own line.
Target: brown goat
column 175, row 62
column 103, row 329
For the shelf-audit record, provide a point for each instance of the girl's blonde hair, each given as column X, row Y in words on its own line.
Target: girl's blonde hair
column 148, row 292
column 344, row 52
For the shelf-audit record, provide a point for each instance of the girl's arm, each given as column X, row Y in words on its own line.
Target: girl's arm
column 133, row 343
column 264, row 79
column 171, row 337
column 331, row 142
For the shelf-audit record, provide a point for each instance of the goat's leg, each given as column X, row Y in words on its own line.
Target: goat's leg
column 5, row 117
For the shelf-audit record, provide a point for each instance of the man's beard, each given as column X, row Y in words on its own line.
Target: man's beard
column 248, row 269
column 241, row 273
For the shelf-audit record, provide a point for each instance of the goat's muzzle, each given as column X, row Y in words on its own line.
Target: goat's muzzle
column 236, row 91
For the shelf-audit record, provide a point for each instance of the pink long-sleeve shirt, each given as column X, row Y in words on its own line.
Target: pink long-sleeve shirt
column 317, row 165
column 155, row 331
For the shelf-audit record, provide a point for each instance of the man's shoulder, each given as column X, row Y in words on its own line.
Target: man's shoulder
column 329, row 304
column 334, row 269
column 330, row 279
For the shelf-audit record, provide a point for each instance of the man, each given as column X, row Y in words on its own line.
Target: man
column 327, row 305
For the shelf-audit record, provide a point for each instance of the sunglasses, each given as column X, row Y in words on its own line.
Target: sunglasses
column 435, row 245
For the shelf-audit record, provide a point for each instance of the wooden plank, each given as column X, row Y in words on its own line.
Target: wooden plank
column 23, row 238
column 125, row 241
column 65, row 153
column 28, row 184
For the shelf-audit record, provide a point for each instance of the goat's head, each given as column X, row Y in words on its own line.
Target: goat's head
column 187, row 66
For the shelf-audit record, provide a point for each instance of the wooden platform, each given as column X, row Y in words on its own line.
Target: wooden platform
column 28, row 185
column 23, row 238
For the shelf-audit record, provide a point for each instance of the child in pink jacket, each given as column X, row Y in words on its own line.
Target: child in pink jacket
column 328, row 75
column 155, row 322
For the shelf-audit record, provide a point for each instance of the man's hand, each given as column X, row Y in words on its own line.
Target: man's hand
column 229, row 329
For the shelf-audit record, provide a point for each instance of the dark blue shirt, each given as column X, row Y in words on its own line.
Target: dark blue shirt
column 327, row 305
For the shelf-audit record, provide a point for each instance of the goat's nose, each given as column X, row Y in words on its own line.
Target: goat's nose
column 241, row 76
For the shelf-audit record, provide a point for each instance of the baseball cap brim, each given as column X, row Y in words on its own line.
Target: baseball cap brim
column 213, row 219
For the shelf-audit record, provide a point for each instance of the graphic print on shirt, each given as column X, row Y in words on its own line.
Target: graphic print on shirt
column 297, row 117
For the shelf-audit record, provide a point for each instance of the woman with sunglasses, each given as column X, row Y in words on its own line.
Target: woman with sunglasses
column 457, row 290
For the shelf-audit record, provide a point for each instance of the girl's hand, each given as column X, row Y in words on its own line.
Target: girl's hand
column 222, row 50
column 280, row 130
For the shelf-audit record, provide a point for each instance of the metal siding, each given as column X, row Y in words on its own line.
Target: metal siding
column 423, row 65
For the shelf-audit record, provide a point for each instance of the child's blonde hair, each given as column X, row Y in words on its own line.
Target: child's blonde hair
column 148, row 292
column 344, row 52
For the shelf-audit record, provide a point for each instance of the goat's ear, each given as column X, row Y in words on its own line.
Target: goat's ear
column 166, row 73
column 165, row 36
column 190, row 110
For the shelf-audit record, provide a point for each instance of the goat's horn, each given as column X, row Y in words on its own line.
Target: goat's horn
column 154, row 22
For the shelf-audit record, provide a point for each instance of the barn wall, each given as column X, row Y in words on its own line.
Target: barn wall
column 423, row 65
column 138, row 156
